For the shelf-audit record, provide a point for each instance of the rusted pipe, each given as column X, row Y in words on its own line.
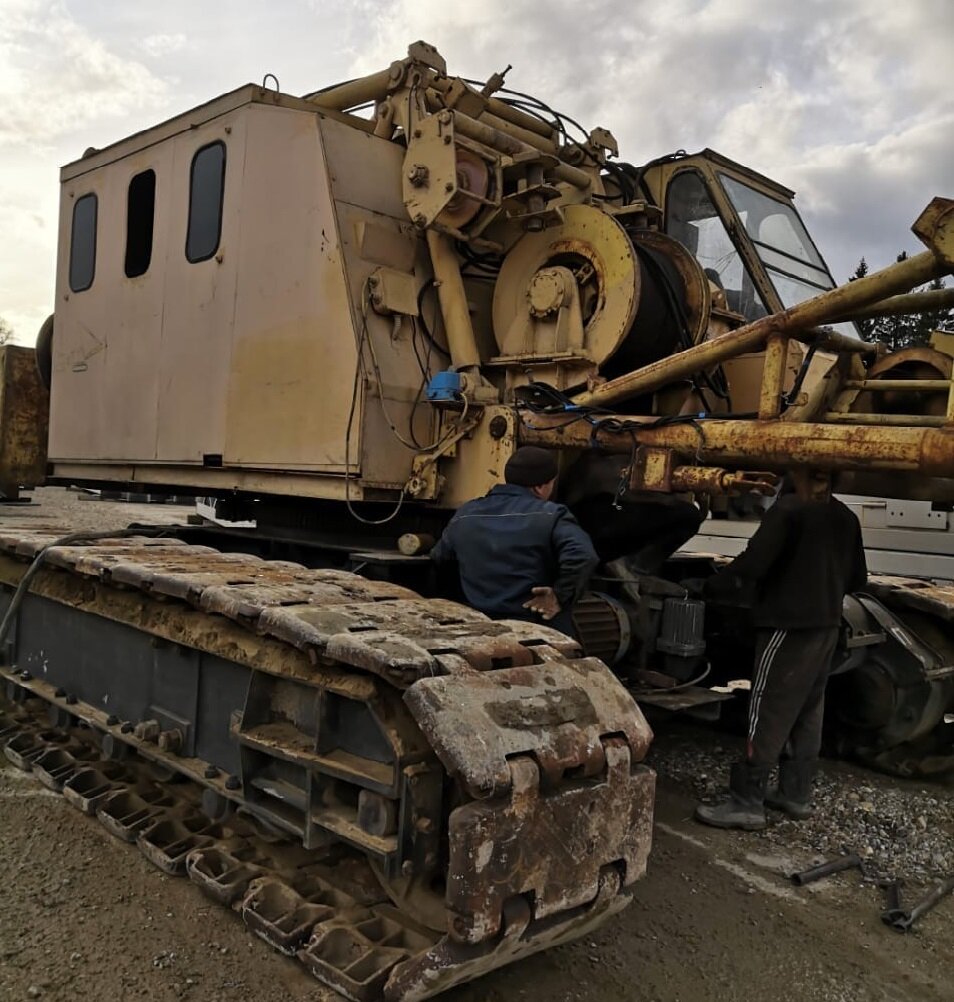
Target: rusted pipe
column 516, row 117
column 489, row 136
column 892, row 420
column 809, row 876
column 544, row 143
column 913, row 302
column 505, row 111
column 538, row 142
column 773, row 376
column 762, row 445
column 794, row 321
column 714, row 480
column 829, row 340
column 435, row 105
column 912, row 385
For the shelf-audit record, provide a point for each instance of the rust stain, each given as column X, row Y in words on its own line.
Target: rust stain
column 24, row 421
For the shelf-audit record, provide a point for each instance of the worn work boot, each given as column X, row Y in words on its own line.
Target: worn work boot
column 793, row 795
column 744, row 806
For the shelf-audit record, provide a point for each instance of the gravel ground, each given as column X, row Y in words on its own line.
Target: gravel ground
column 902, row 828
column 86, row 512
column 86, row 917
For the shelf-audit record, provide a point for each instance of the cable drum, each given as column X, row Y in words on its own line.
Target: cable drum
column 642, row 296
column 473, row 177
column 674, row 303
column 595, row 247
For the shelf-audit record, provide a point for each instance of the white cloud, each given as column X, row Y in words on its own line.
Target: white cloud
column 843, row 99
column 865, row 196
column 60, row 89
column 28, row 208
column 58, row 78
column 164, row 45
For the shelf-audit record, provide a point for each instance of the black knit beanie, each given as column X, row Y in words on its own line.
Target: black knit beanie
column 530, row 467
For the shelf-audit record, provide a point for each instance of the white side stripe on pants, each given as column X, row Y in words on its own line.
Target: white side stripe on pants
column 761, row 677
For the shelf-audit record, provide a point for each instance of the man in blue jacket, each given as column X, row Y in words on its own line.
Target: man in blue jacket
column 520, row 556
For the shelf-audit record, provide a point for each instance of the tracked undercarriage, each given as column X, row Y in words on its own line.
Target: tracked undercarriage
column 400, row 792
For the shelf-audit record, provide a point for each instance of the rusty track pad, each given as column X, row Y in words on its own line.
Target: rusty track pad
column 557, row 712
column 549, row 752
column 550, row 848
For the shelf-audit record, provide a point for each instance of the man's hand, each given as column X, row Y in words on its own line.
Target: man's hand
column 544, row 602
column 695, row 587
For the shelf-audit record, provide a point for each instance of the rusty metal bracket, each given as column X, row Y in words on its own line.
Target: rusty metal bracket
column 548, row 847
column 935, row 229
column 425, row 482
column 713, row 480
column 557, row 712
column 550, row 753
column 652, row 470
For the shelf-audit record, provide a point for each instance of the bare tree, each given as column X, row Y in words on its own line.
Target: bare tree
column 6, row 332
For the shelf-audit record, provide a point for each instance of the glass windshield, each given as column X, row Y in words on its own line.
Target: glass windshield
column 693, row 220
column 780, row 239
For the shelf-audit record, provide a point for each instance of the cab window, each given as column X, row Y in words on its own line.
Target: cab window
column 140, row 218
column 781, row 241
column 83, row 243
column 693, row 220
column 206, row 190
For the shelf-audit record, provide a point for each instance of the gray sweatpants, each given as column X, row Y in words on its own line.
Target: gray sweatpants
column 787, row 703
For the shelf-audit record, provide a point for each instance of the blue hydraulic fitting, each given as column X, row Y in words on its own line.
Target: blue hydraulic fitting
column 444, row 387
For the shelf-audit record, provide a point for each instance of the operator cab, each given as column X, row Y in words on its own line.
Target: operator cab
column 744, row 230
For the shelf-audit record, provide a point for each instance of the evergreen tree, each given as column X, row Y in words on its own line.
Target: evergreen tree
column 864, row 326
column 905, row 331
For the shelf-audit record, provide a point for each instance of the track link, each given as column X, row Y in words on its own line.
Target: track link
column 325, row 908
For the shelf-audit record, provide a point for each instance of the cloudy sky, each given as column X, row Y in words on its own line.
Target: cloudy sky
column 849, row 102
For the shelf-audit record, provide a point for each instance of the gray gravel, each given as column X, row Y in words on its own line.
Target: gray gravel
column 903, row 828
column 86, row 512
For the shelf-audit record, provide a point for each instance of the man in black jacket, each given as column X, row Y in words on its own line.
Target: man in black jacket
column 804, row 558
column 520, row 556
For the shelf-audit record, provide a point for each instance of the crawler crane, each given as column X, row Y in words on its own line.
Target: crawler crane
column 339, row 315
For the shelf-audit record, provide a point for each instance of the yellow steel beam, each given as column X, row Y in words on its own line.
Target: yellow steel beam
column 503, row 142
column 354, row 93
column 773, row 376
column 453, row 302
column 882, row 385
column 893, row 420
